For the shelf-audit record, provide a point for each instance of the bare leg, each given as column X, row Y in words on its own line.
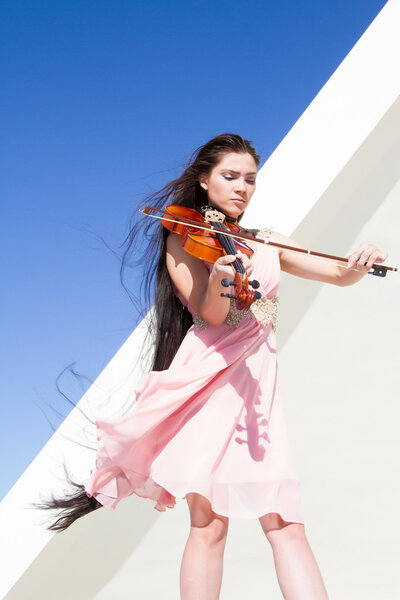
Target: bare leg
column 202, row 561
column 298, row 574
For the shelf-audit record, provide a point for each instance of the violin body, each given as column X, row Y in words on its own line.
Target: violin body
column 197, row 242
column 210, row 246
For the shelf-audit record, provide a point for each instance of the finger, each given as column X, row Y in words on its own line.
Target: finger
column 355, row 257
column 364, row 256
column 352, row 259
column 382, row 256
column 226, row 259
column 372, row 258
column 245, row 262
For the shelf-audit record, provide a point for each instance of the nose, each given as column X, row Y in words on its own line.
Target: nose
column 240, row 185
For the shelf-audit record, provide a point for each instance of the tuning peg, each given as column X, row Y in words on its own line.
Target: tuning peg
column 257, row 296
column 226, row 283
column 254, row 284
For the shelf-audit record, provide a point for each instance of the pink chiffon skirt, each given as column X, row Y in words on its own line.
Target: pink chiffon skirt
column 213, row 423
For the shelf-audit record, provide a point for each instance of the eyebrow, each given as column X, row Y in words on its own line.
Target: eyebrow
column 238, row 172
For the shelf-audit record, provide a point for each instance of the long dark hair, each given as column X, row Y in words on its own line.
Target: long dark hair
column 168, row 320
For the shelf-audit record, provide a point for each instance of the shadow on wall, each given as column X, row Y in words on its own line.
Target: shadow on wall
column 84, row 558
column 342, row 211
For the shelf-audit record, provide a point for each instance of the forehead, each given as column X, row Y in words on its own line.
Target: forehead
column 234, row 161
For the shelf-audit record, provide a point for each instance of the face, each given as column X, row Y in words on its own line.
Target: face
column 231, row 183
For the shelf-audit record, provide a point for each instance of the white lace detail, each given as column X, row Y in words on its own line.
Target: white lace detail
column 265, row 233
column 264, row 310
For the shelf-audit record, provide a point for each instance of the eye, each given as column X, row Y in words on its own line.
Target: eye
column 228, row 177
column 251, row 181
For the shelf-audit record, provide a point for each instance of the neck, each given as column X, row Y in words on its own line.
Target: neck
column 231, row 219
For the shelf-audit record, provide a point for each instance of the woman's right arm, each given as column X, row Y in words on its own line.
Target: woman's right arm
column 199, row 288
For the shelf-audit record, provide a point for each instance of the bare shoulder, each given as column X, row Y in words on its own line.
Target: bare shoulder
column 176, row 255
column 188, row 273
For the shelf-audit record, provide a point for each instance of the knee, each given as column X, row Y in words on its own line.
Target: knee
column 209, row 527
column 276, row 529
column 212, row 534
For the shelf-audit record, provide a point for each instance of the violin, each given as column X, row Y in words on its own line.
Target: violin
column 211, row 244
column 376, row 269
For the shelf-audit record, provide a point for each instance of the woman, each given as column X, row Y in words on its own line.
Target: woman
column 207, row 424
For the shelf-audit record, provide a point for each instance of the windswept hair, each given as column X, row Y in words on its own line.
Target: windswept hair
column 169, row 320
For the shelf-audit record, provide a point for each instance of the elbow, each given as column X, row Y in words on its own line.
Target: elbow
column 215, row 323
column 214, row 310
column 213, row 319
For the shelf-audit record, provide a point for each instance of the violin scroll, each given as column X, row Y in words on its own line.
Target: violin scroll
column 243, row 295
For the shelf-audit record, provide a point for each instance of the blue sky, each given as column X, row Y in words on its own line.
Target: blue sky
column 101, row 104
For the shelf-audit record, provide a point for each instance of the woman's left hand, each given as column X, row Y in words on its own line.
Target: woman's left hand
column 364, row 257
column 247, row 263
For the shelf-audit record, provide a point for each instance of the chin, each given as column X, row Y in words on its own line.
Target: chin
column 238, row 212
column 231, row 211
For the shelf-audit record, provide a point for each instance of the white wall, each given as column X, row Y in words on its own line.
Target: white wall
column 331, row 183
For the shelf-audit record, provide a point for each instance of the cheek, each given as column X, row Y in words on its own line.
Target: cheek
column 220, row 188
column 251, row 192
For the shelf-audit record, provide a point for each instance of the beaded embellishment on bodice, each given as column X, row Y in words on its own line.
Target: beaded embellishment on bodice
column 264, row 310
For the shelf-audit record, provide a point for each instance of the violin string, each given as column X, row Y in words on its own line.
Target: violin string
column 229, row 247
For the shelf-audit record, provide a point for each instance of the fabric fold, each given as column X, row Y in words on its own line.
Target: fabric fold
column 213, row 423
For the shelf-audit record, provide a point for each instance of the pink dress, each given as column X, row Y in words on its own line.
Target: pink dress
column 213, row 423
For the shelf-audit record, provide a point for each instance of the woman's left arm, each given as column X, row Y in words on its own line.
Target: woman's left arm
column 327, row 270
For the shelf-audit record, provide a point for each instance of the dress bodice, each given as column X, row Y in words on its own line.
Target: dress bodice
column 267, row 272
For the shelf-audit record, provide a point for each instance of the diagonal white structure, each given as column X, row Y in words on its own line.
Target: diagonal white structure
column 333, row 182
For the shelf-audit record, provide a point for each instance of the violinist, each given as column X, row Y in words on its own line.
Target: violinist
column 207, row 424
